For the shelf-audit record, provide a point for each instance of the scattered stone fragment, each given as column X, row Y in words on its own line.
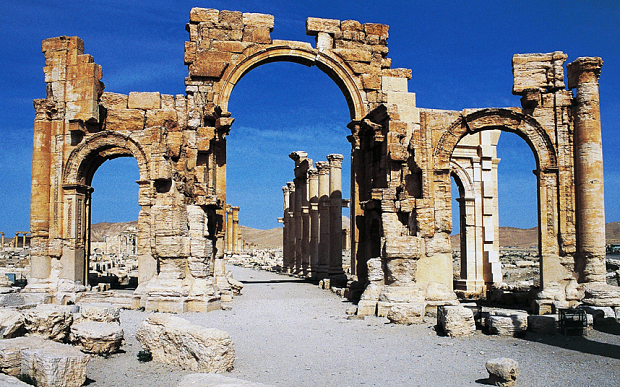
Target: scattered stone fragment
column 506, row 322
column 456, row 320
column 11, row 323
column 101, row 312
column 502, row 371
column 49, row 321
column 53, row 364
column 97, row 337
column 215, row 380
column 407, row 313
column 49, row 362
column 176, row 341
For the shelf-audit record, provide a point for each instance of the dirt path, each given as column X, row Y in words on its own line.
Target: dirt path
column 290, row 333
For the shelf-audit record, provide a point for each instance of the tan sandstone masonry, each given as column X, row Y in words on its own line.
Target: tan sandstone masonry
column 401, row 158
column 312, row 234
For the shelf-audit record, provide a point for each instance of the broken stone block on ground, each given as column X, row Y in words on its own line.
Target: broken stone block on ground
column 11, row 323
column 97, row 337
column 456, row 320
column 100, row 312
column 176, row 341
column 407, row 313
column 506, row 322
column 502, row 371
column 11, row 381
column 52, row 364
column 49, row 321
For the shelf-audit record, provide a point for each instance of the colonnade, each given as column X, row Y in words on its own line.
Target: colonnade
column 233, row 243
column 15, row 242
column 312, row 235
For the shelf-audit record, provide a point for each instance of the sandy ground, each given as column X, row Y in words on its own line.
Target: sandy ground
column 290, row 333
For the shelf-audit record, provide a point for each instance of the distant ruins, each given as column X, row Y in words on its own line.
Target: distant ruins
column 402, row 161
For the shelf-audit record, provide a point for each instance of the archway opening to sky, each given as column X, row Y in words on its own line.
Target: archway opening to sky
column 115, row 195
column 279, row 108
column 485, row 227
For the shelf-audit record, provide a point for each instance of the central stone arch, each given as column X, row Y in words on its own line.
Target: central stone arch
column 331, row 65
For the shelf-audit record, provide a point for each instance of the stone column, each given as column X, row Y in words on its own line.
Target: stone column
column 313, row 199
column 324, row 225
column 229, row 229
column 335, row 214
column 235, row 229
column 302, row 163
column 2, row 241
column 285, row 227
column 583, row 75
column 292, row 228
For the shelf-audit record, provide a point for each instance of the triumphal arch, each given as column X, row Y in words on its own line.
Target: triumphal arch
column 401, row 155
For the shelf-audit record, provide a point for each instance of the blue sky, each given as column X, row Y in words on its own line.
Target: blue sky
column 459, row 52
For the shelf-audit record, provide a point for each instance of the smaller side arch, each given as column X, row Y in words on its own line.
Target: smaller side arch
column 523, row 125
column 107, row 145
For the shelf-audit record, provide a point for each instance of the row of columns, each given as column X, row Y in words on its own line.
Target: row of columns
column 312, row 234
column 15, row 242
column 233, row 236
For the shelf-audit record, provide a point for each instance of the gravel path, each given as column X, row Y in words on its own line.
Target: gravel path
column 290, row 333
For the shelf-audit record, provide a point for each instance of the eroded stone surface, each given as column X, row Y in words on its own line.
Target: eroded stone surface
column 456, row 320
column 97, row 337
column 502, row 371
column 176, row 341
column 49, row 321
column 11, row 323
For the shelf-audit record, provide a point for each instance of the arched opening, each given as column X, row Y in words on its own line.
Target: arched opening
column 280, row 108
column 517, row 193
column 114, row 219
column 541, row 146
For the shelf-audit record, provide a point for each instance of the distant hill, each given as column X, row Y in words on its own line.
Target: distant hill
column 270, row 239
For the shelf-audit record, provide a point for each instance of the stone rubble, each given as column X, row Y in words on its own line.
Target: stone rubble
column 456, row 320
column 49, row 321
column 99, row 338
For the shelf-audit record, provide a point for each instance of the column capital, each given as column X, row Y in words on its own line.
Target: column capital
column 584, row 70
column 322, row 167
column 291, row 186
column 335, row 160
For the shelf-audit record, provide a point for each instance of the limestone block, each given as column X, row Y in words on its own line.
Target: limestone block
column 198, row 15
column 54, row 364
column 124, row 119
column 456, row 320
column 400, row 271
column 198, row 265
column 172, row 246
column 407, row 313
column 375, row 270
column 161, row 117
column 258, row 20
column 215, row 380
column 543, row 324
column 176, row 341
column 235, row 285
column 538, row 71
column 315, row 25
column 100, row 312
column 380, row 30
column 410, row 294
column 114, row 101
column 506, row 323
column 353, row 54
column 11, row 323
column 49, row 321
column 599, row 294
column 10, row 381
column 210, row 64
column 11, row 353
column 502, row 371
column 366, row 308
column 372, row 292
column 144, row 100
column 439, row 292
column 402, row 247
column 97, row 337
